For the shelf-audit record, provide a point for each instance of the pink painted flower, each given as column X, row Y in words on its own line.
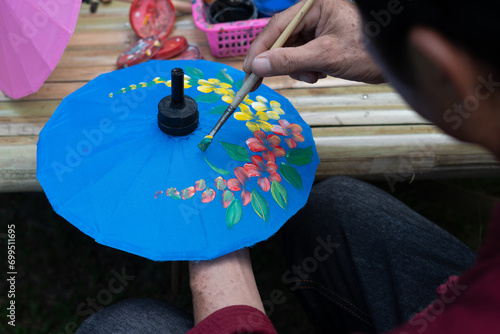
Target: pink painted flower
column 200, row 185
column 220, row 183
column 269, row 145
column 188, row 193
column 265, row 171
column 208, row 195
column 173, row 193
column 239, row 184
column 227, row 198
column 293, row 131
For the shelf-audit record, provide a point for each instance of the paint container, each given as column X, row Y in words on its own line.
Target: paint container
column 223, row 11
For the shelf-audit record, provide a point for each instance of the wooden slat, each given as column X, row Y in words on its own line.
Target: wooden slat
column 22, row 109
column 87, row 73
column 400, row 156
column 18, row 164
column 51, row 91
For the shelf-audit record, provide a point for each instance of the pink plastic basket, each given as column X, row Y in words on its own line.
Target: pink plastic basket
column 227, row 39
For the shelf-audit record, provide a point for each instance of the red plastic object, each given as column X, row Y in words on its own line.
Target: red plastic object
column 172, row 47
column 143, row 50
column 192, row 53
column 152, row 17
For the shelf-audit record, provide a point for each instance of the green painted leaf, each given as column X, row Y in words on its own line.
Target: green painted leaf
column 218, row 110
column 215, row 168
column 194, row 72
column 260, row 205
column 291, row 175
column 193, row 82
column 299, row 156
column 207, row 98
column 224, row 77
column 236, row 152
column 234, row 213
column 238, row 84
column 280, row 194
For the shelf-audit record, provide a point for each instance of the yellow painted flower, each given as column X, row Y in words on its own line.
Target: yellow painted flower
column 159, row 80
column 272, row 109
column 228, row 98
column 186, row 82
column 256, row 121
column 213, row 85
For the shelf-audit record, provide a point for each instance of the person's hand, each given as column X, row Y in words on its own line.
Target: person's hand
column 328, row 41
column 225, row 281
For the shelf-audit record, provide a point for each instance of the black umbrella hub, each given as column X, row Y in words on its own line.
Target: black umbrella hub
column 178, row 113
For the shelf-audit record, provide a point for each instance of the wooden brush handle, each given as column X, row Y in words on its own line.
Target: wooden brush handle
column 292, row 25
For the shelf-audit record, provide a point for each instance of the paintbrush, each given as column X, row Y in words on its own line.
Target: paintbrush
column 252, row 79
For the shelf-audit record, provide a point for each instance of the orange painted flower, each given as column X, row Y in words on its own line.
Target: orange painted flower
column 208, row 195
column 265, row 171
column 238, row 184
column 227, row 198
column 292, row 131
column 188, row 193
column 269, row 145
column 220, row 183
column 173, row 193
column 200, row 185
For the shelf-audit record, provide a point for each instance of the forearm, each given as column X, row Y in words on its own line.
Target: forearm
column 223, row 282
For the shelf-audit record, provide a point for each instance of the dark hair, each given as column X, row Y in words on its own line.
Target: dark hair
column 473, row 25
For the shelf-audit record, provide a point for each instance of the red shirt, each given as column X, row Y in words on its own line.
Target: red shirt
column 468, row 304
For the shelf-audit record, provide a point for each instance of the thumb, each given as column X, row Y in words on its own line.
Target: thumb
column 285, row 61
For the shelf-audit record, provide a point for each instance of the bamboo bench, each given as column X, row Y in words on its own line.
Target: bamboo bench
column 360, row 130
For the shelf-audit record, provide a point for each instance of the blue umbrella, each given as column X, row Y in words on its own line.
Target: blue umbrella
column 107, row 167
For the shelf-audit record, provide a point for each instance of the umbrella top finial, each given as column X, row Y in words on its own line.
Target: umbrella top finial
column 177, row 113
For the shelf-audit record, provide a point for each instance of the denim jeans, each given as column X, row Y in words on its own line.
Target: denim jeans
column 137, row 316
column 359, row 260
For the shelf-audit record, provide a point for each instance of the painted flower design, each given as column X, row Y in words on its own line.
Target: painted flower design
column 227, row 198
column 255, row 122
column 272, row 109
column 208, row 195
column 213, row 85
column 230, row 96
column 238, row 184
column 200, row 185
column 159, row 80
column 188, row 193
column 293, row 132
column 265, row 171
column 220, row 183
column 269, row 145
column 187, row 84
column 173, row 193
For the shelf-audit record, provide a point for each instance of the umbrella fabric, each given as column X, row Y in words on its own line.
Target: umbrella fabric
column 109, row 170
column 33, row 36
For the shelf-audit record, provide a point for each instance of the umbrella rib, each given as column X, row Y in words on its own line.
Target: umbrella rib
column 130, row 183
column 4, row 52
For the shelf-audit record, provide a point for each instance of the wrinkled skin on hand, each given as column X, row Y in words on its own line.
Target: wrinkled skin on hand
column 328, row 41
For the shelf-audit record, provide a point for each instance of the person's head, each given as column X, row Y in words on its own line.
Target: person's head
column 444, row 58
